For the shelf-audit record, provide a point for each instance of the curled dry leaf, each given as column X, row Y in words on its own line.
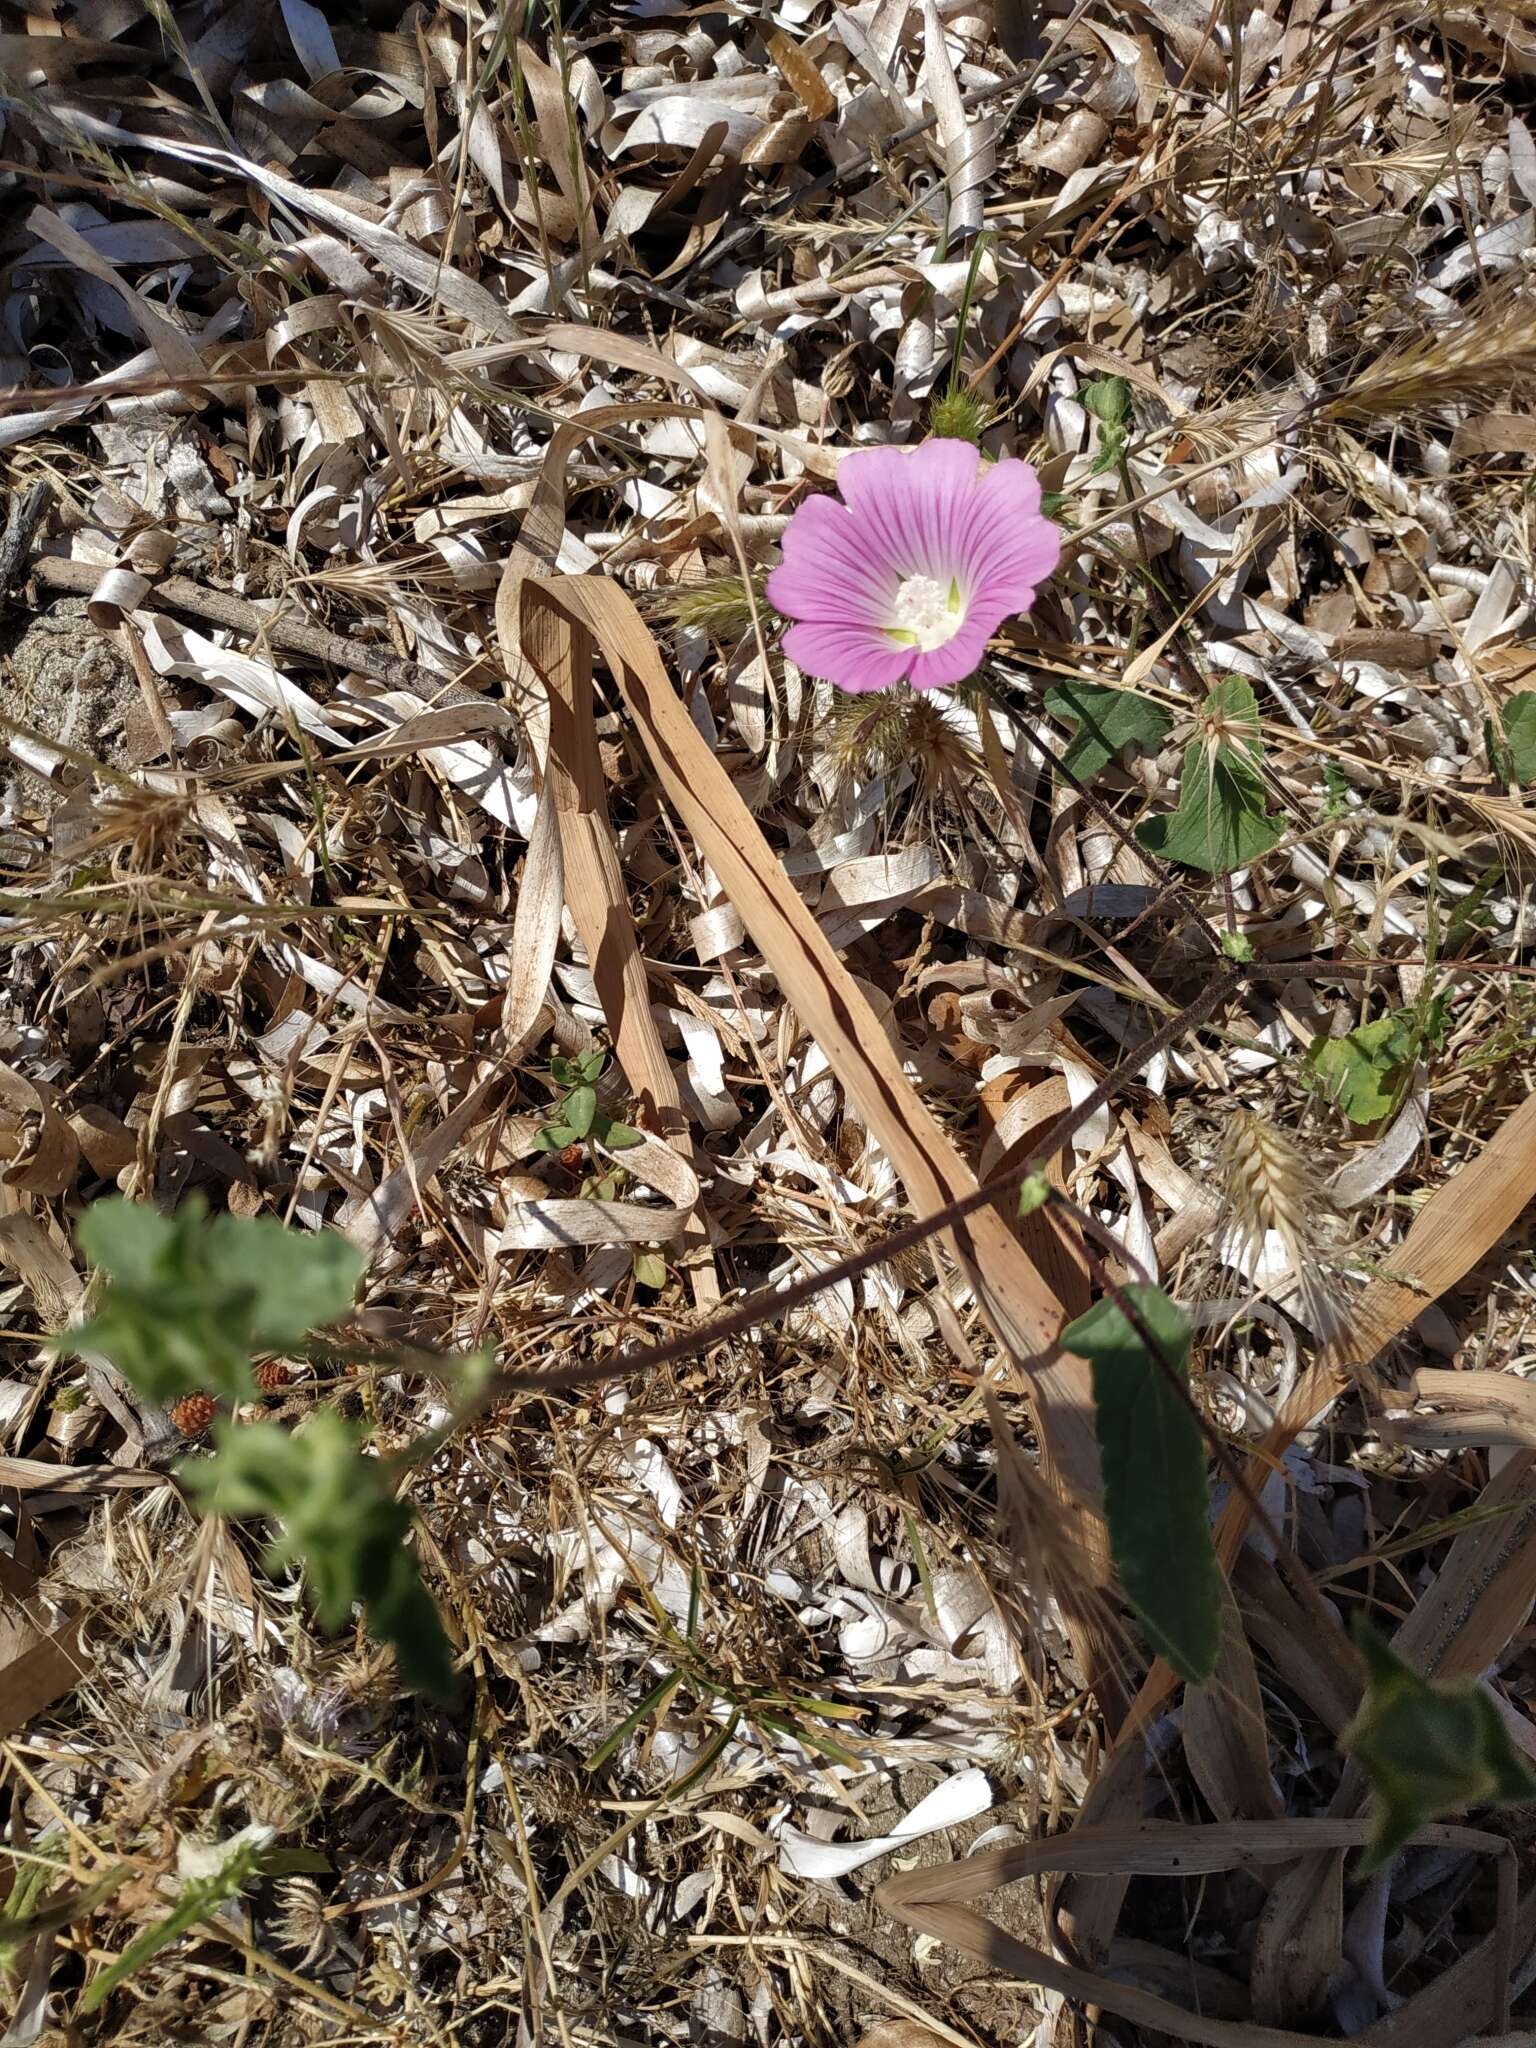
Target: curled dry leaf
column 368, row 370
column 41, row 1151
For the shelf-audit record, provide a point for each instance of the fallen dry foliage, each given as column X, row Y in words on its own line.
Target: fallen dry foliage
column 404, row 405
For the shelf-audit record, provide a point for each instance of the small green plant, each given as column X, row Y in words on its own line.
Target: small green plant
column 211, row 1876
column 1471, row 919
column 1364, row 1071
column 1427, row 1749
column 33, row 1909
column 186, row 1307
column 1223, row 820
column 1108, row 399
column 1336, row 797
column 957, row 413
column 337, row 1518
column 778, row 1711
column 577, row 1119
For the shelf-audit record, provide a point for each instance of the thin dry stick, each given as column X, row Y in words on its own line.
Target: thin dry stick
column 23, row 518
column 222, row 608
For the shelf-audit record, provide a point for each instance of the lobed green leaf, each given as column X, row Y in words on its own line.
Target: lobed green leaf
column 1428, row 1750
column 1107, row 721
column 188, row 1301
column 339, row 1520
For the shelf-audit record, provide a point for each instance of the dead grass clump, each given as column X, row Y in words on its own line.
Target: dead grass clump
column 333, row 335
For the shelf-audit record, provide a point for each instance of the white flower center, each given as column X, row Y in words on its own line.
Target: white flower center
column 926, row 613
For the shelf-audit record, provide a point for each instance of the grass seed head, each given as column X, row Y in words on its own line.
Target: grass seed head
column 720, row 606
column 882, row 730
column 1268, row 1186
column 1271, row 1191
column 959, row 415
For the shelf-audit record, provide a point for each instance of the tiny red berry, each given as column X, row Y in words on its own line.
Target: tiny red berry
column 272, row 1376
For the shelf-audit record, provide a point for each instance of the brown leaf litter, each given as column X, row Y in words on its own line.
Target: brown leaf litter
column 403, row 405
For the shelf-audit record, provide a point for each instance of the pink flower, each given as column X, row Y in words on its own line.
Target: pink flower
column 912, row 573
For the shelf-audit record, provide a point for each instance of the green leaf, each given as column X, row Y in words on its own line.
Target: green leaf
column 296, row 1863
column 1109, row 400
column 619, row 1136
column 1156, row 1499
column 580, row 1108
column 1427, row 1749
column 1107, row 720
column 1471, row 918
column 654, row 1700
column 188, row 1301
column 130, row 1240
column 1359, row 1070
column 338, row 1517
column 1237, row 946
column 1222, row 821
column 25, row 1919
column 1034, row 1193
column 1501, row 763
column 650, row 1269
column 299, row 1280
column 1520, row 735
column 1362, row 1071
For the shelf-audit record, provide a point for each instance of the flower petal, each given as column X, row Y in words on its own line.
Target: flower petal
column 915, row 504
column 1009, row 539
column 833, row 568
column 854, row 657
column 957, row 658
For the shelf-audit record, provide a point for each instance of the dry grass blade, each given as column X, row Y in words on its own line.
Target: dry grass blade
column 598, row 902
column 370, row 373
column 924, row 1900
column 1225, row 1738
column 1482, row 1593
column 1457, row 1226
column 1471, row 1407
column 1021, row 1307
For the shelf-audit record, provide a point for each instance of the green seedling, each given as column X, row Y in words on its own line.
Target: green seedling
column 184, row 1306
column 577, row 1119
column 1223, row 820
